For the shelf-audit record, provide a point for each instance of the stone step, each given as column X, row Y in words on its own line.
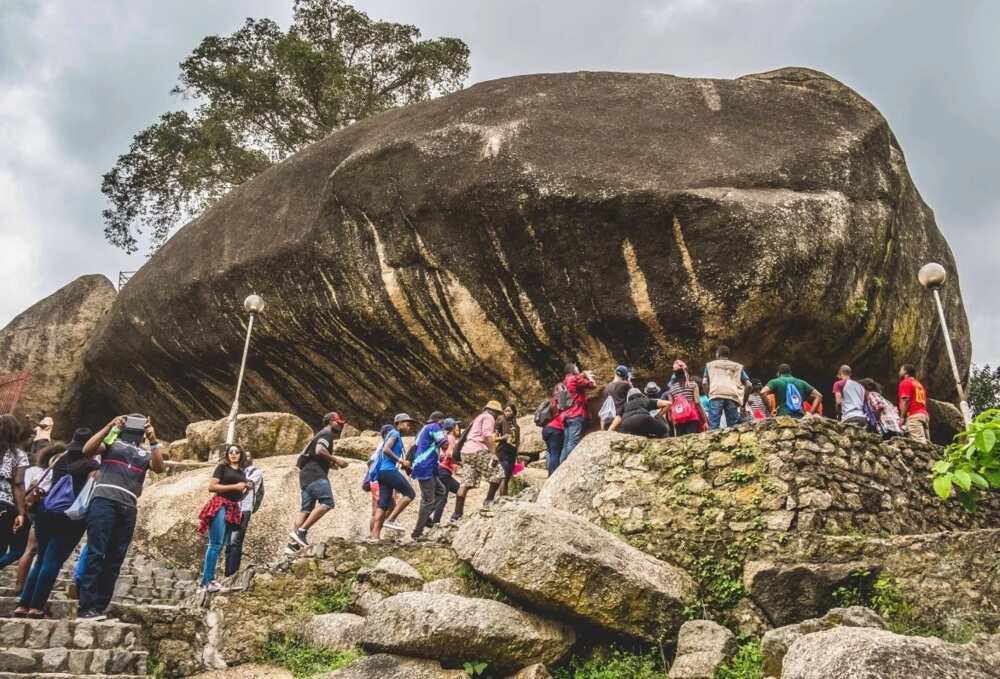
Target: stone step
column 78, row 662
column 57, row 608
column 71, row 633
column 144, row 598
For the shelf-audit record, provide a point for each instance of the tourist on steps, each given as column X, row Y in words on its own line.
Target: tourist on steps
column 447, row 467
column 37, row 482
column 850, row 397
column 314, row 482
column 790, row 394
column 477, row 453
column 13, row 464
column 389, row 456
column 425, row 469
column 112, row 513
column 221, row 514
column 727, row 385
column 248, row 505
column 57, row 534
column 913, row 405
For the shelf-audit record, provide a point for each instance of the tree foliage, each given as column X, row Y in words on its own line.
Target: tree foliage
column 261, row 94
column 970, row 465
column 984, row 388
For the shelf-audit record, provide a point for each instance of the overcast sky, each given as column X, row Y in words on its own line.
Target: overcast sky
column 78, row 79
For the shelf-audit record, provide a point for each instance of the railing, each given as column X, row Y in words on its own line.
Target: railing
column 123, row 278
column 11, row 388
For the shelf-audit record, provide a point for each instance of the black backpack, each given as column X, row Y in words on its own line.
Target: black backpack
column 258, row 497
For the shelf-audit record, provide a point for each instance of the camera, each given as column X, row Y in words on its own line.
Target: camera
column 135, row 422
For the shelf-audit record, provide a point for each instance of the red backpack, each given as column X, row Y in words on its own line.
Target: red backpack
column 683, row 411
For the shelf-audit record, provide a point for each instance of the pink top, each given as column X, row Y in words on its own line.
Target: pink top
column 481, row 428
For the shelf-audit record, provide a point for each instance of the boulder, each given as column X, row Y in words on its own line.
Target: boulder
column 263, row 434
column 791, row 593
column 247, row 671
column 48, row 341
column 334, row 631
column 860, row 653
column 181, row 450
column 454, row 629
column 451, row 585
column 561, row 563
column 385, row 666
column 357, row 447
column 796, row 167
column 702, row 646
column 946, row 421
column 389, row 576
column 532, row 443
column 776, row 642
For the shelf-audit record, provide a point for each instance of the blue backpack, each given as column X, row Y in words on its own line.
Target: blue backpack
column 793, row 398
column 61, row 497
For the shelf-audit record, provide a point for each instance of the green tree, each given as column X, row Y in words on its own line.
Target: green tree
column 984, row 388
column 261, row 94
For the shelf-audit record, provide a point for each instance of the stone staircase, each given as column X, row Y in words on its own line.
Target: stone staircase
column 61, row 646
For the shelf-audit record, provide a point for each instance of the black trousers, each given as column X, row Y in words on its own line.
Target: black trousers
column 234, row 549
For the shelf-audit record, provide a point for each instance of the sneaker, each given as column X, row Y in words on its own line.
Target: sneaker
column 393, row 526
column 299, row 536
column 293, row 548
column 93, row 616
column 214, row 586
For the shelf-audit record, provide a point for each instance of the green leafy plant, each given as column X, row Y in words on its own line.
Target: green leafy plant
column 302, row 660
column 475, row 669
column 859, row 308
column 155, row 668
column 331, row 599
column 618, row 665
column 720, row 586
column 740, row 476
column 971, row 464
column 748, row 663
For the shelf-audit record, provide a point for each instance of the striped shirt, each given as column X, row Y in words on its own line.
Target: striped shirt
column 123, row 471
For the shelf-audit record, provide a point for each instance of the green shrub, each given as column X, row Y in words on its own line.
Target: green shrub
column 748, row 663
column 301, row 659
column 618, row 665
column 970, row 465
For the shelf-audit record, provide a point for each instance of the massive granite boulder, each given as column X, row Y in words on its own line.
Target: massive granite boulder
column 457, row 250
column 48, row 340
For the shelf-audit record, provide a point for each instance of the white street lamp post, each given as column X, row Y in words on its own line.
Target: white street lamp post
column 933, row 276
column 253, row 304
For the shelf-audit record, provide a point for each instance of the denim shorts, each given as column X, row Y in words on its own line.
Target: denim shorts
column 317, row 491
column 391, row 480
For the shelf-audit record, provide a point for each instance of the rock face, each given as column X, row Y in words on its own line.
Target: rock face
column 49, row 340
column 559, row 562
column 352, row 242
column 335, row 631
column 702, row 646
column 455, row 629
column 264, row 434
column 858, row 653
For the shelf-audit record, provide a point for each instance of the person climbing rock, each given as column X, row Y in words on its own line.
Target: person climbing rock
column 637, row 419
column 913, row 405
column 576, row 385
column 476, row 452
column 221, row 515
column 447, row 467
column 614, row 394
column 508, row 442
column 14, row 463
column 389, row 456
column 248, row 505
column 884, row 415
column 425, row 469
column 685, row 398
column 314, row 468
column 756, row 407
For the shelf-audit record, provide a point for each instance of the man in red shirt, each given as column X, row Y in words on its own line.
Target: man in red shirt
column 913, row 404
column 577, row 384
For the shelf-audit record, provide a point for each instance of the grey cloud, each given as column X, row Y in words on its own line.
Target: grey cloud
column 102, row 71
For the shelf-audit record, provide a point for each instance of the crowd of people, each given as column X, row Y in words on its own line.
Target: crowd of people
column 52, row 494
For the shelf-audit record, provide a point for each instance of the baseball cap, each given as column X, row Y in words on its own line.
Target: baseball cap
column 449, row 423
column 652, row 389
column 622, row 371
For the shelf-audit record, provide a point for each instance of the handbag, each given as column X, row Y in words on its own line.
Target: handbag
column 61, row 497
column 78, row 510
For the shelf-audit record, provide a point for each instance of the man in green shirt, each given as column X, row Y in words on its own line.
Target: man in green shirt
column 790, row 401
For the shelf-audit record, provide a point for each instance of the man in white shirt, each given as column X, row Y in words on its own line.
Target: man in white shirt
column 850, row 397
column 234, row 550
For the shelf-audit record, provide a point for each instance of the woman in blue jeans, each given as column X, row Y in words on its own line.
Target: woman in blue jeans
column 57, row 534
column 222, row 514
